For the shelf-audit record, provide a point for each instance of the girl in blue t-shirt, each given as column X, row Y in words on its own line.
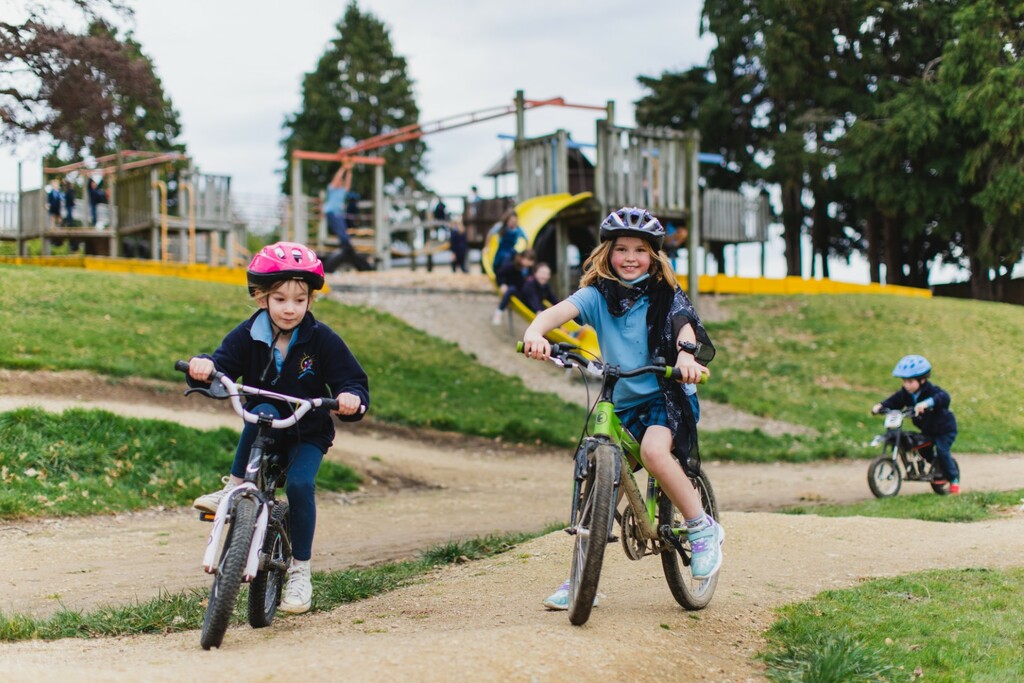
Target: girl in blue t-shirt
column 629, row 294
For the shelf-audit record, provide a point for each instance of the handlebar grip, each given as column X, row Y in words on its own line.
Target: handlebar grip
column 329, row 403
column 520, row 346
column 181, row 366
column 672, row 372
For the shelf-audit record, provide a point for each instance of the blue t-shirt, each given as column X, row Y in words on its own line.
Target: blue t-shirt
column 623, row 342
column 335, row 201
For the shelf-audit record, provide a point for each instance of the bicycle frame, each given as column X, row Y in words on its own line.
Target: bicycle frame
column 254, row 485
column 608, row 429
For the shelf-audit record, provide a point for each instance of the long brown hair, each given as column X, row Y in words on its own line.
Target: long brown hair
column 599, row 265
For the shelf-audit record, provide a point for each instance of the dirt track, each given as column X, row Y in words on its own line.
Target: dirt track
column 484, row 619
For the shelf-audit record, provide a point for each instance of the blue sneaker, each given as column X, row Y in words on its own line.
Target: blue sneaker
column 706, row 544
column 559, row 600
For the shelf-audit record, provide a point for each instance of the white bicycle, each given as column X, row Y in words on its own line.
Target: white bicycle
column 249, row 542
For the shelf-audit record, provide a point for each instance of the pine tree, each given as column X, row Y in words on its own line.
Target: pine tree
column 359, row 88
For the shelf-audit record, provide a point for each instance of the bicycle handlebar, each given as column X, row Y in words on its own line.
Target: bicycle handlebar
column 562, row 352
column 236, row 390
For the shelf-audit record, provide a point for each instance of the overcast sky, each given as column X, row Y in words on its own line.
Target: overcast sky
column 234, row 72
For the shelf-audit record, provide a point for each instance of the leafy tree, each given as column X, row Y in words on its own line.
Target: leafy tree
column 359, row 89
column 90, row 91
column 982, row 81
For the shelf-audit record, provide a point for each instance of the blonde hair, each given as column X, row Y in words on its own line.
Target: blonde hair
column 599, row 265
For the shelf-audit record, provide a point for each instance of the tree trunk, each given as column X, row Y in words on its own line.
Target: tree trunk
column 872, row 235
column 893, row 253
column 792, row 223
column 974, row 239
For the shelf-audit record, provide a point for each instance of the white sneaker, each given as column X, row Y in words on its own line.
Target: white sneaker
column 496, row 318
column 298, row 593
column 208, row 502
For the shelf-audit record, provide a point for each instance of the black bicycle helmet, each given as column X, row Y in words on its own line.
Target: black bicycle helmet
column 633, row 222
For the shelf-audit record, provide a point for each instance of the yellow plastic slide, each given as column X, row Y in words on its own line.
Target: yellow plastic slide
column 534, row 214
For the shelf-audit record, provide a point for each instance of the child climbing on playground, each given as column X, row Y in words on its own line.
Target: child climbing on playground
column 282, row 347
column 537, row 288
column 54, row 198
column 511, row 239
column 931, row 412
column 629, row 294
column 335, row 208
column 510, row 279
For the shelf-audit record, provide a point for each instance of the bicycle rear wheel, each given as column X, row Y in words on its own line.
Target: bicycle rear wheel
column 265, row 589
column 596, row 503
column 688, row 592
column 227, row 581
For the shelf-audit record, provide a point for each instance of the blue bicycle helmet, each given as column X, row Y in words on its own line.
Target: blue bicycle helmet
column 912, row 367
column 633, row 222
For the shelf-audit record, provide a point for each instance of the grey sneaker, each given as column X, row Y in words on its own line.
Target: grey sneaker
column 298, row 593
column 208, row 502
column 706, row 544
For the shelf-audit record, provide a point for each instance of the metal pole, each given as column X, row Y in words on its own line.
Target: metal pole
column 381, row 230
column 694, row 236
column 21, row 219
column 520, row 136
column 298, row 210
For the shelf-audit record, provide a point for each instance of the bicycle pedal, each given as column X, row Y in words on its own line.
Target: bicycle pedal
column 207, row 516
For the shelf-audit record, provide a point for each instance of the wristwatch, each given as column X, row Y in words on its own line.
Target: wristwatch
column 688, row 347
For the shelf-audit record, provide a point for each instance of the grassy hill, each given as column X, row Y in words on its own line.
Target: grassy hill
column 818, row 361
column 823, row 361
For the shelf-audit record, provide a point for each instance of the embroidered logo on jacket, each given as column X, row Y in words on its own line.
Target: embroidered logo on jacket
column 306, row 366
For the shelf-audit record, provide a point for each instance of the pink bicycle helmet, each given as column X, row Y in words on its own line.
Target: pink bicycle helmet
column 284, row 261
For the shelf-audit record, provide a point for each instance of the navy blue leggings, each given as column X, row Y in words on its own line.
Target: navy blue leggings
column 943, row 445
column 304, row 461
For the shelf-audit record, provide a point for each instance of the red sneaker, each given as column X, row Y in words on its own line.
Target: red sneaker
column 954, row 489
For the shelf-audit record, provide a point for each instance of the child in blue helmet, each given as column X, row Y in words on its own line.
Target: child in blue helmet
column 931, row 411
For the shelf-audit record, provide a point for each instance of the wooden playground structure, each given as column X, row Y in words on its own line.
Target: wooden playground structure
column 137, row 218
column 657, row 168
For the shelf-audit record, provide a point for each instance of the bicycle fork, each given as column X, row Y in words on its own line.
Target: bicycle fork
column 220, row 520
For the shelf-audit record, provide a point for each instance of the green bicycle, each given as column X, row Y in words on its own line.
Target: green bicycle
column 649, row 524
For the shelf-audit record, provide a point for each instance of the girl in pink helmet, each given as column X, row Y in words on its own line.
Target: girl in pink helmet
column 284, row 348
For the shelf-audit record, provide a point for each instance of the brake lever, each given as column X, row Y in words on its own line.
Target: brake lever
column 215, row 390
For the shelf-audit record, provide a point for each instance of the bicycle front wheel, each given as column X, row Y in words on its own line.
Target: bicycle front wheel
column 691, row 593
column 596, row 506
column 884, row 477
column 265, row 589
column 227, row 581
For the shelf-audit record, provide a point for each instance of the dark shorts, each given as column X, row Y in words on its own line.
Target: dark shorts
column 637, row 419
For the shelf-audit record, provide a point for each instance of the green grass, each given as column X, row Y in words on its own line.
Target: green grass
column 84, row 462
column 957, row 625
column 817, row 361
column 183, row 611
column 135, row 326
column 975, row 506
column 823, row 361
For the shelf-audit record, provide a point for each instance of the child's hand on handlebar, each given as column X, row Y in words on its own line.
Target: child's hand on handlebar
column 690, row 370
column 876, row 409
column 536, row 346
column 348, row 404
column 200, row 369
